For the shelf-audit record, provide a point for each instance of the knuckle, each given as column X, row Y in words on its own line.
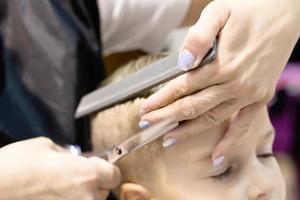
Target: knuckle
column 199, row 40
column 181, row 90
column 269, row 95
column 213, row 118
column 222, row 74
column 153, row 117
column 232, row 144
column 45, row 141
column 235, row 88
column 227, row 70
column 203, row 42
column 245, row 87
column 243, row 129
column 189, row 109
column 264, row 95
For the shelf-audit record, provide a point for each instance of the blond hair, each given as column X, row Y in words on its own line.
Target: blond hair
column 114, row 125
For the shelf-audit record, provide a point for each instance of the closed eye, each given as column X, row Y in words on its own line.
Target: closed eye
column 229, row 170
column 266, row 155
column 224, row 174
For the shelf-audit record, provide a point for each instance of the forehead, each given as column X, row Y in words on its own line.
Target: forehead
column 202, row 144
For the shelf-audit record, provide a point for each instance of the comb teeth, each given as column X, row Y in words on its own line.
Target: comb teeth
column 150, row 76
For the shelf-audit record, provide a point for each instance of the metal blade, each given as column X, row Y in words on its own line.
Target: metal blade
column 152, row 75
column 139, row 140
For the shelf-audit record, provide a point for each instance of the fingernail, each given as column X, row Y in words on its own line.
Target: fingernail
column 169, row 142
column 144, row 124
column 218, row 161
column 75, row 150
column 186, row 60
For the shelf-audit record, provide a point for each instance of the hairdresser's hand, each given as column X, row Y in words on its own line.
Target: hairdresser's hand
column 38, row 169
column 255, row 41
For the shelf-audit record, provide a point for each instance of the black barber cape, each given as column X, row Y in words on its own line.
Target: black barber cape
column 50, row 56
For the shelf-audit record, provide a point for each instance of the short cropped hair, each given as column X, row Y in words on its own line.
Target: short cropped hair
column 116, row 124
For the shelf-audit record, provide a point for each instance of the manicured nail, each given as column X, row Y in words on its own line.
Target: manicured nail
column 75, row 150
column 186, row 60
column 144, row 124
column 218, row 161
column 169, row 142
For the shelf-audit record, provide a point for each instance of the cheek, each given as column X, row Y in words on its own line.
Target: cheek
column 275, row 174
column 198, row 190
column 280, row 186
column 266, row 177
column 193, row 193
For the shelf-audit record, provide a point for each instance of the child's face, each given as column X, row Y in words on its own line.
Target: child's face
column 249, row 171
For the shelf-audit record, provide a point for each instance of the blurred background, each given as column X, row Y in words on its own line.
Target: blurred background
column 284, row 109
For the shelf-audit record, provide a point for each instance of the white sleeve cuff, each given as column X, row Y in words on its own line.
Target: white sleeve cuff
column 135, row 24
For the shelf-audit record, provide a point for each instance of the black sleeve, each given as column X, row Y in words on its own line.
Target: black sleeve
column 1, row 68
column 2, row 15
column 51, row 52
column 296, row 53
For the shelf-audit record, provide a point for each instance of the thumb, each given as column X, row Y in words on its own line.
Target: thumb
column 201, row 36
column 109, row 176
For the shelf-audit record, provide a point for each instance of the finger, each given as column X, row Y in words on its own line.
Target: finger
column 102, row 194
column 192, row 106
column 183, row 85
column 201, row 36
column 98, row 194
column 46, row 142
column 109, row 175
column 89, row 154
column 211, row 118
column 198, row 41
column 238, row 127
column 74, row 150
column 43, row 141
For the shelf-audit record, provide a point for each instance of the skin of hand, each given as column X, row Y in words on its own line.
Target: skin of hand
column 38, row 169
column 255, row 40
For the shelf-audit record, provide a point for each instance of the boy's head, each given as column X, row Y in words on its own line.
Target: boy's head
column 185, row 171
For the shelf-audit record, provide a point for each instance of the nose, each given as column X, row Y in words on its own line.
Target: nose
column 261, row 186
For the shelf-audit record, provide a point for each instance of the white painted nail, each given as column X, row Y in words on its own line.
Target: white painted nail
column 75, row 150
column 169, row 142
column 144, row 124
column 218, row 161
column 186, row 60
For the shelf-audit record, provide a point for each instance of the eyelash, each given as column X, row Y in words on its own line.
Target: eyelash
column 266, row 155
column 229, row 170
column 224, row 174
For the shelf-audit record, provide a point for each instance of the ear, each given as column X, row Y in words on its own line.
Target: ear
column 132, row 191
